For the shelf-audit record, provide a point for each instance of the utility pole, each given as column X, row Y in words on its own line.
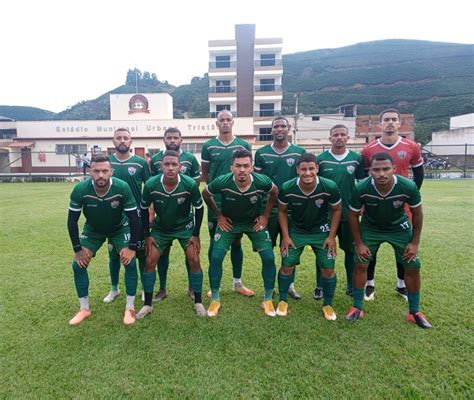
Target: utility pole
column 295, row 118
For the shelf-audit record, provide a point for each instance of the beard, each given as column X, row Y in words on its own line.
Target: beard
column 121, row 148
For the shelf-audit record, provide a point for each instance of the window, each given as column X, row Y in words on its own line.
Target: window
column 267, row 60
column 267, row 85
column 265, row 134
column 267, row 109
column 221, row 107
column 315, row 118
column 222, row 61
column 71, row 148
column 192, row 147
column 222, row 86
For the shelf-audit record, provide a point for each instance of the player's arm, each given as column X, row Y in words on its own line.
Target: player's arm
column 286, row 241
column 205, row 171
column 418, row 175
column 362, row 251
column 262, row 220
column 82, row 255
column 411, row 250
column 330, row 242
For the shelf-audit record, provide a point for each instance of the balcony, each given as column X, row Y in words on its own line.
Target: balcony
column 222, row 64
column 222, row 89
column 266, row 113
column 268, row 87
column 270, row 62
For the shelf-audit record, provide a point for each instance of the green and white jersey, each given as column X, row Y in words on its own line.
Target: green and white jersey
column 309, row 211
column 134, row 171
column 242, row 207
column 278, row 166
column 343, row 169
column 385, row 212
column 104, row 214
column 219, row 155
column 189, row 164
column 173, row 209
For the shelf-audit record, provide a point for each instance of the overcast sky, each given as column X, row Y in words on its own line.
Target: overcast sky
column 57, row 53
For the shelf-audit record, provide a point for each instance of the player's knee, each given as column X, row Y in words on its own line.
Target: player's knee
column 267, row 256
column 360, row 268
column 327, row 272
column 217, row 256
column 287, row 271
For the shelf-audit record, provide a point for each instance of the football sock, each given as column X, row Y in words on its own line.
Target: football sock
column 371, row 283
column 413, row 302
column 197, row 297
column 149, row 279
column 237, row 260
column 318, row 275
column 130, row 302
column 81, row 280
column 196, row 282
column 236, row 281
column 114, row 269
column 268, row 272
column 141, row 267
column 283, row 285
column 188, row 269
column 163, row 265
column 292, row 276
column 215, row 272
column 400, row 283
column 131, row 278
column 401, row 273
column 349, row 264
column 358, row 298
column 84, row 302
column 329, row 286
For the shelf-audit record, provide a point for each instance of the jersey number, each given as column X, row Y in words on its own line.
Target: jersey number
column 325, row 228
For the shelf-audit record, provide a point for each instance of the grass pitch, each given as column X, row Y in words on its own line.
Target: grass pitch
column 241, row 353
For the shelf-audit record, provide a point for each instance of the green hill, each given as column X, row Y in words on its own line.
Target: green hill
column 432, row 80
column 21, row 113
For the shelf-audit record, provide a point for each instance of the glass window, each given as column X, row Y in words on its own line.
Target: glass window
column 71, row 148
column 267, row 60
column 222, row 61
column 265, row 134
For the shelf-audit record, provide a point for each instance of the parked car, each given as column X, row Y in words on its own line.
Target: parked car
column 435, row 163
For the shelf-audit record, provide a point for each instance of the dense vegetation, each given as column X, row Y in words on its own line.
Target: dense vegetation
column 432, row 80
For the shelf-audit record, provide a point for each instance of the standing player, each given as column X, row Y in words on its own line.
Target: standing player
column 405, row 154
column 309, row 200
column 216, row 158
column 242, row 193
column 173, row 196
column 342, row 166
column 278, row 162
column 105, row 201
column 190, row 167
column 383, row 196
column 133, row 170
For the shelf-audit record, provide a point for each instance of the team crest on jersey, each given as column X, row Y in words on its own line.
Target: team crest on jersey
column 350, row 169
column 110, row 246
column 319, row 202
column 290, row 161
column 181, row 200
column 115, row 203
column 253, row 199
column 132, row 170
column 397, row 203
column 183, row 169
column 402, row 154
column 217, row 236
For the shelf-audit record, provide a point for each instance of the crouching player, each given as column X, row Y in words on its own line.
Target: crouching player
column 308, row 199
column 383, row 196
column 173, row 195
column 106, row 202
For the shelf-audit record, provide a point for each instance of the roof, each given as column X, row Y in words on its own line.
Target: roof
column 21, row 144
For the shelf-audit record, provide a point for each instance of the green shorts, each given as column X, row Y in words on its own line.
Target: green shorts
column 165, row 239
column 373, row 238
column 260, row 240
column 344, row 236
column 316, row 241
column 117, row 240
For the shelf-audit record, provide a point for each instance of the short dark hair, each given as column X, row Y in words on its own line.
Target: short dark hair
column 171, row 153
column 307, row 157
column 121, row 130
column 172, row 130
column 99, row 157
column 389, row 110
column 241, row 153
column 381, row 157
column 337, row 126
column 279, row 117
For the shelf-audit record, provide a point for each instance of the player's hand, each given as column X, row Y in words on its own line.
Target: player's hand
column 195, row 244
column 286, row 243
column 83, row 257
column 127, row 255
column 330, row 244
column 363, row 252
column 224, row 223
column 411, row 252
column 261, row 223
column 149, row 244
